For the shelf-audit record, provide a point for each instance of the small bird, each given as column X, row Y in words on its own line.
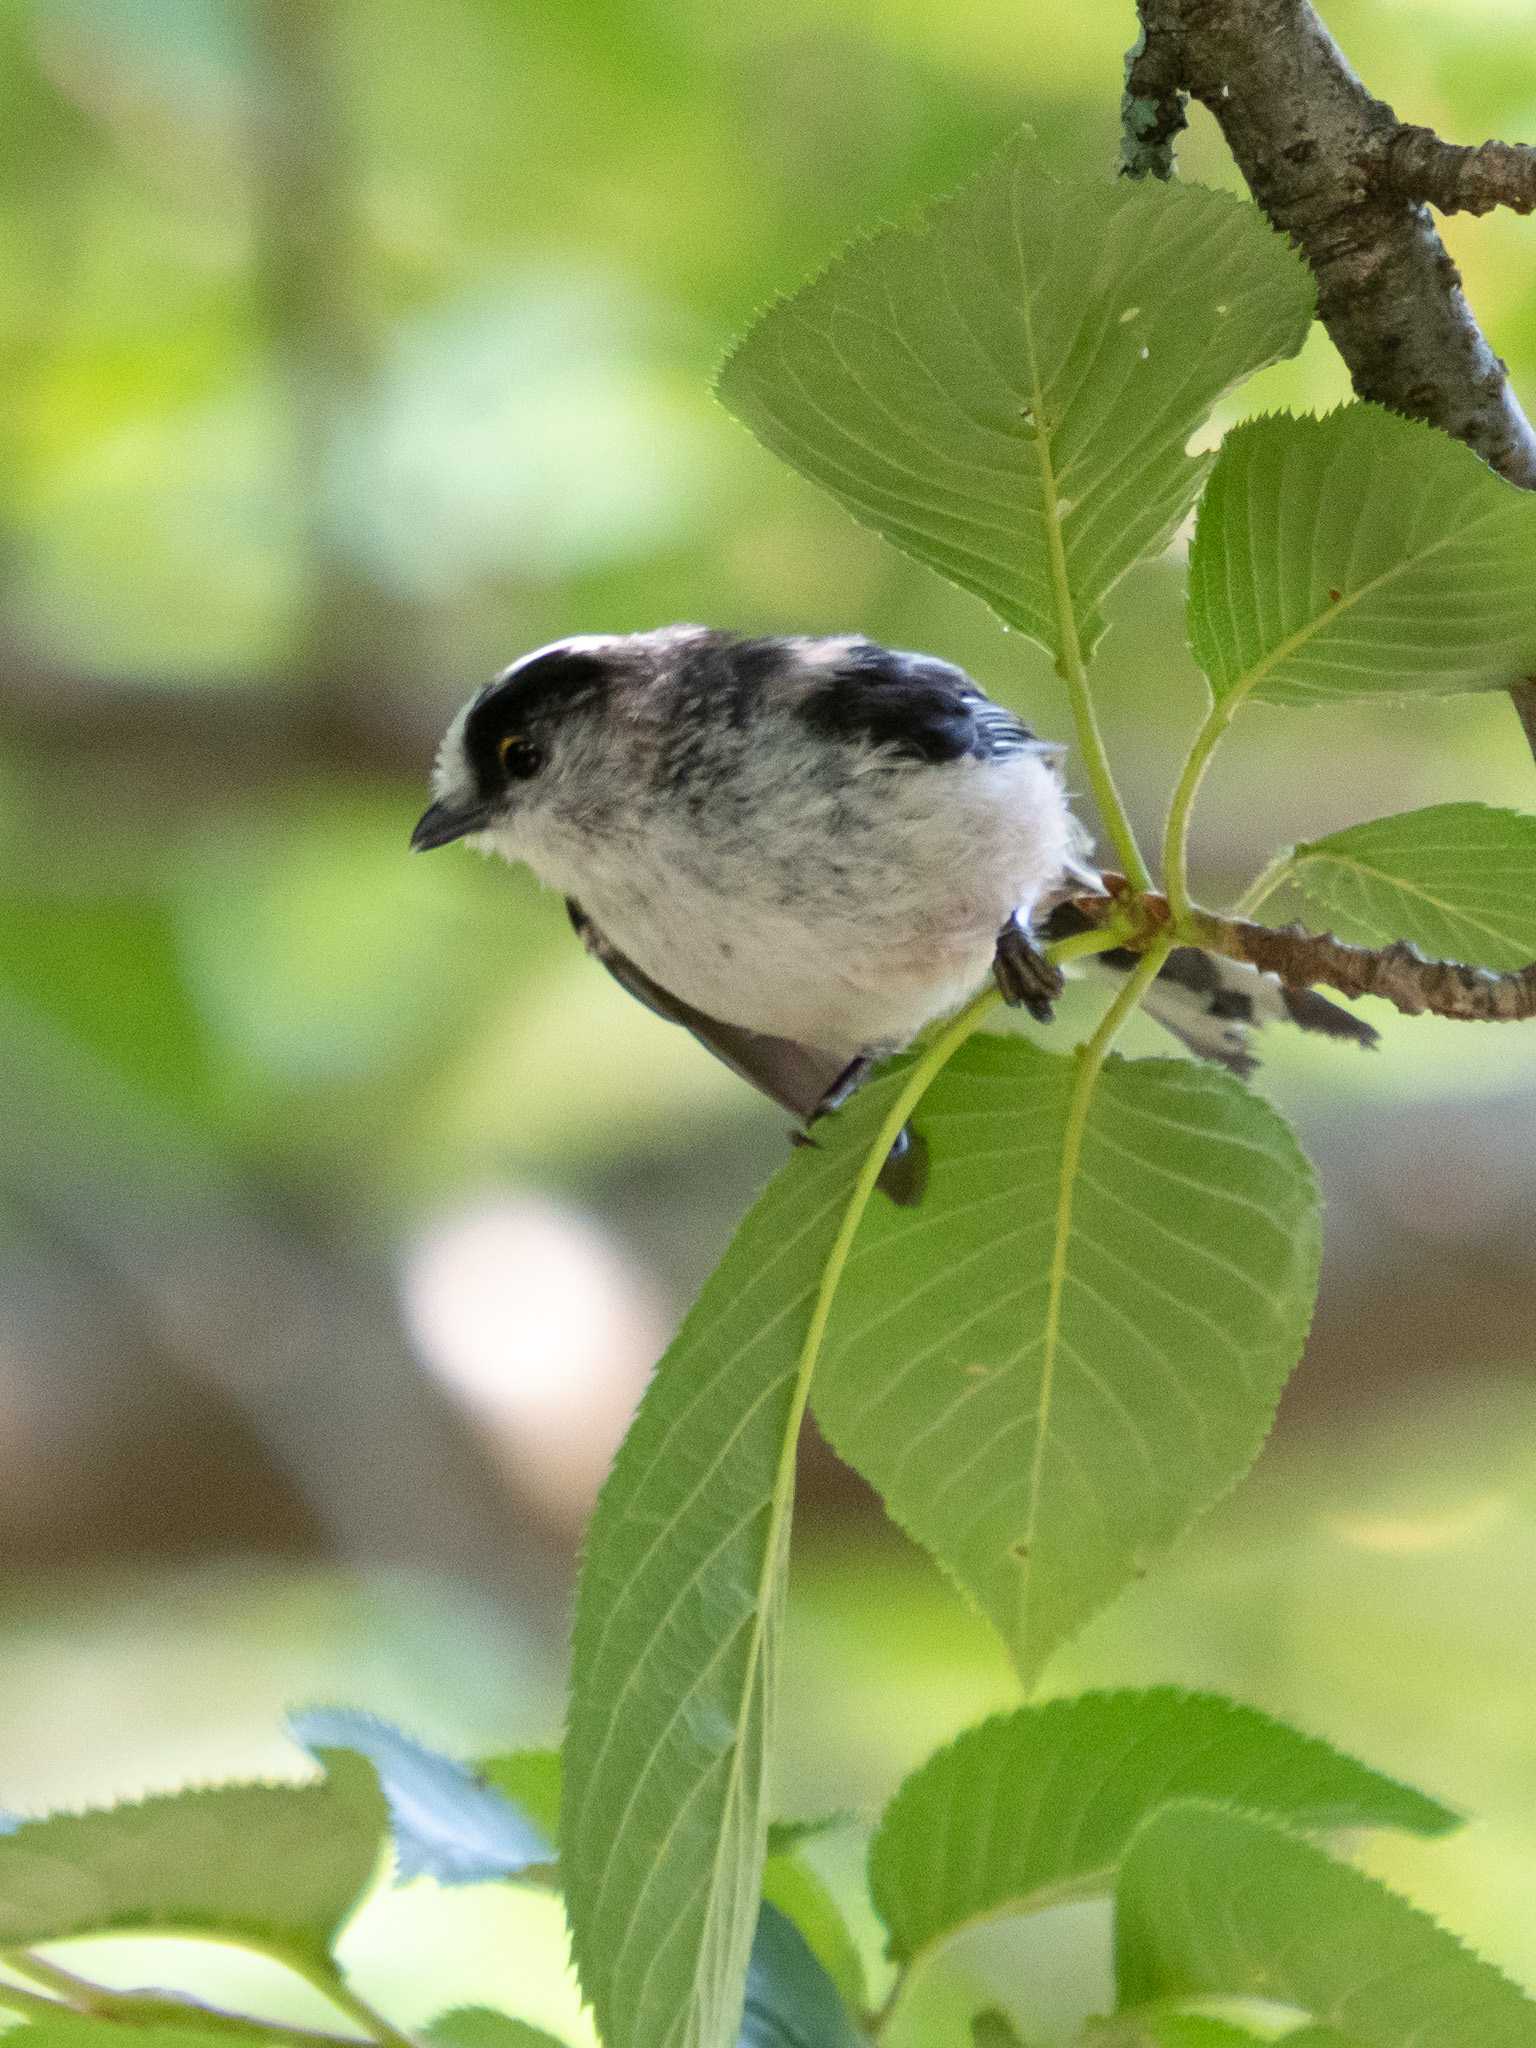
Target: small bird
column 802, row 849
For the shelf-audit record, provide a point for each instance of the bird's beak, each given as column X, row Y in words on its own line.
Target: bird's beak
column 441, row 823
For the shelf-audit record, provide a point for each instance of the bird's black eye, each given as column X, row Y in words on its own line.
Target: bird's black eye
column 519, row 758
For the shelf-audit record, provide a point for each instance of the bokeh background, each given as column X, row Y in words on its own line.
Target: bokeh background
column 349, row 350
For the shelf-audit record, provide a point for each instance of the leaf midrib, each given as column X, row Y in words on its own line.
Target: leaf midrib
column 1338, row 607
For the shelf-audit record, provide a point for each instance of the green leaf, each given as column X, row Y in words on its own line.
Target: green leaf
column 277, row 1865
column 1359, row 554
column 1215, row 1902
column 785, row 1836
column 446, row 1823
column 1162, row 2028
column 1457, row 880
column 83, row 2030
column 1168, row 2030
column 678, row 1625
column 531, row 1778
column 1005, row 387
column 791, row 2002
column 994, row 2029
column 1049, row 1374
column 109, row 974
column 1036, row 1806
column 1318, row 2037
column 794, row 1888
column 482, row 2026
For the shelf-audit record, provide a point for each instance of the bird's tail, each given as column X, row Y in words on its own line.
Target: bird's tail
column 1213, row 1006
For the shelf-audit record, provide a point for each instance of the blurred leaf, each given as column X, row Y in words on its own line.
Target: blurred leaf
column 280, row 1865
column 109, row 972
column 459, row 467
column 481, row 2026
column 1456, row 880
column 1166, row 2030
column 1319, row 2037
column 445, row 1822
column 994, row 2030
column 1359, row 553
column 82, row 2030
column 1048, row 1373
column 1215, row 1902
column 785, row 1836
column 1016, row 375
column 1037, row 1806
column 323, row 953
column 678, row 1624
column 1161, row 2029
column 531, row 1779
column 793, row 1887
column 791, row 2001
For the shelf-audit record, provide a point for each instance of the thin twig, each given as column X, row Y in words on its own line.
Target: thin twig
column 1399, row 973
column 29, row 2004
column 78, row 1994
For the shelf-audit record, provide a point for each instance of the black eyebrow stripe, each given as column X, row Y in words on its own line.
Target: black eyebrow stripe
column 529, row 701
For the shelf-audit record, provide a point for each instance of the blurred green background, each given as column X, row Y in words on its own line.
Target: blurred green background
column 349, row 351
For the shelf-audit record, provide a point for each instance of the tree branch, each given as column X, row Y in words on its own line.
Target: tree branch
column 1336, row 171
column 1399, row 974
column 1454, row 178
column 1317, row 151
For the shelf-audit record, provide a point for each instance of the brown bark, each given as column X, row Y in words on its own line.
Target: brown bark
column 1334, row 169
column 1399, row 973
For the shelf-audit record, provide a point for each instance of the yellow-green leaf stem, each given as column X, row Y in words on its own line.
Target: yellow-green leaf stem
column 1176, row 837
column 933, row 1061
column 1190, row 1260
column 1271, row 877
column 1070, row 665
column 1090, row 1064
column 678, row 1617
column 934, row 1058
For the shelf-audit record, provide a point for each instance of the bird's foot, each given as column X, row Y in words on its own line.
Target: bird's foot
column 1024, row 974
column 852, row 1077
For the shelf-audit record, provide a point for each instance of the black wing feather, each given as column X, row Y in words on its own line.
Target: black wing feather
column 918, row 708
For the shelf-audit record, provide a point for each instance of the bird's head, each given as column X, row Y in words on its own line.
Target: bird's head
column 531, row 738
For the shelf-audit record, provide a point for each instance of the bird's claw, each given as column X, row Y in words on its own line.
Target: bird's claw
column 1023, row 973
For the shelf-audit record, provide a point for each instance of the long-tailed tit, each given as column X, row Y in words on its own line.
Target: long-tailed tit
column 804, row 850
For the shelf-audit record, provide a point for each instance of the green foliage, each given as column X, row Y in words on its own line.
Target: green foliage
column 678, row 1622
column 1006, row 387
column 1075, row 1344
column 993, row 2030
column 278, row 1865
column 793, row 1888
column 109, row 975
column 1201, row 2030
column 1169, row 2030
column 530, row 1778
column 1037, row 1806
column 1456, row 880
column 79, row 2030
column 1218, row 1902
column 1071, row 1348
column 481, row 2026
column 1359, row 553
